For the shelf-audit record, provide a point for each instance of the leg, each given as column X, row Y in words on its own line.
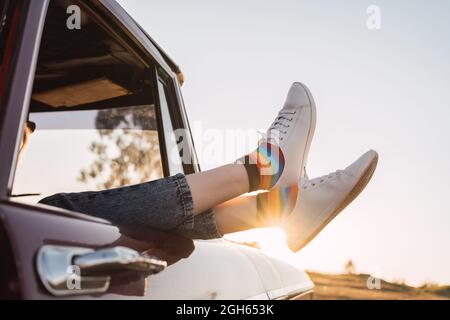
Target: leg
column 166, row 204
column 209, row 188
column 256, row 211
column 238, row 214
column 277, row 162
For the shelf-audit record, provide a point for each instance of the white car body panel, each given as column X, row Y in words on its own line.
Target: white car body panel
column 219, row 269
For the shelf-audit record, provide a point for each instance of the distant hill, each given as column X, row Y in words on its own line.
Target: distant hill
column 354, row 286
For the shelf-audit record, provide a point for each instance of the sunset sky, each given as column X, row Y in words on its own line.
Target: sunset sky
column 385, row 89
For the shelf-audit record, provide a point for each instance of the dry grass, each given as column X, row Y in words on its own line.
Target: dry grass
column 350, row 286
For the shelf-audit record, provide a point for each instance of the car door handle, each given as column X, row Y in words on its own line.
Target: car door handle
column 117, row 259
column 73, row 271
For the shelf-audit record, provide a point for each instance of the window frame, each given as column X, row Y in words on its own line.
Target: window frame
column 16, row 99
column 140, row 46
column 174, row 113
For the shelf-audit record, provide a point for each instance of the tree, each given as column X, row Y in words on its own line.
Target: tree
column 127, row 151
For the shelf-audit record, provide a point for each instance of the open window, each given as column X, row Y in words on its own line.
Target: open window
column 94, row 111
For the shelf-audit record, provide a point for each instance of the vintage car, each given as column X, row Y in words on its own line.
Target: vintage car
column 105, row 100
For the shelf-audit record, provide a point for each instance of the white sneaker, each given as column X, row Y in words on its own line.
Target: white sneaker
column 292, row 131
column 322, row 199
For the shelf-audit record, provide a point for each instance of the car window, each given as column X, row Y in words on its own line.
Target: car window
column 94, row 111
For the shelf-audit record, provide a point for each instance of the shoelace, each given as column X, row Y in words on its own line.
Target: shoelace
column 312, row 183
column 281, row 123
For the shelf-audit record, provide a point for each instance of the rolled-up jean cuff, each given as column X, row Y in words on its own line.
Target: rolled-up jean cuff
column 186, row 201
column 205, row 227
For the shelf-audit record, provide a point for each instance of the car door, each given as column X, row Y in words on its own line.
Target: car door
column 87, row 91
column 107, row 111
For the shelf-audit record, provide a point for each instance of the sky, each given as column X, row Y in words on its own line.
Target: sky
column 385, row 89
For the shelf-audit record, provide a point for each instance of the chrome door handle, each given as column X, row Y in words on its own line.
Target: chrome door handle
column 73, row 271
column 111, row 260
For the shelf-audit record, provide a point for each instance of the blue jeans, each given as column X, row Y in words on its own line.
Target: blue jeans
column 164, row 204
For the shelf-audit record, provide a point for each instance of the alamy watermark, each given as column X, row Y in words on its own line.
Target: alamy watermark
column 374, row 280
column 73, row 281
column 73, row 21
column 218, row 146
column 374, row 17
